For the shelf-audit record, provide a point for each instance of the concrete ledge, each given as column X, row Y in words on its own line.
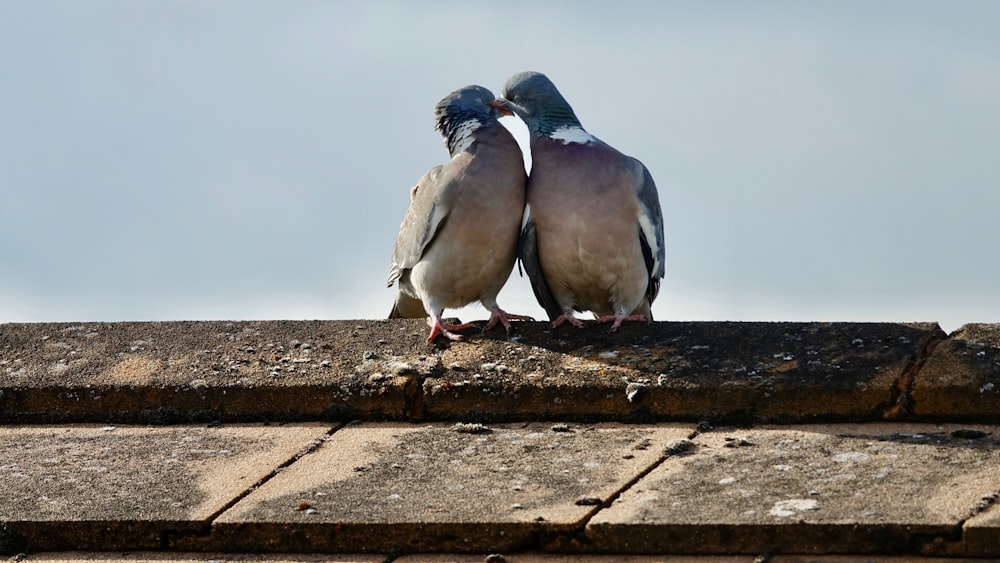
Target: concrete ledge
column 693, row 439
column 443, row 488
column 194, row 557
column 178, row 372
column 397, row 488
column 131, row 488
column 811, row 489
column 962, row 375
column 719, row 372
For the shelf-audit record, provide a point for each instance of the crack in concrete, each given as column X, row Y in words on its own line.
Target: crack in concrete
column 413, row 393
column 983, row 505
column 413, row 389
column 953, row 544
column 578, row 532
column 308, row 449
column 170, row 536
column 900, row 404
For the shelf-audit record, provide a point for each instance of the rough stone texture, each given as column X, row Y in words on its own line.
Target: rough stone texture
column 169, row 372
column 395, row 488
column 567, row 558
column 390, row 487
column 148, row 557
column 982, row 532
column 341, row 370
column 961, row 379
column 130, row 487
column 159, row 557
column 746, row 372
column 822, row 489
column 866, row 559
column 478, row 486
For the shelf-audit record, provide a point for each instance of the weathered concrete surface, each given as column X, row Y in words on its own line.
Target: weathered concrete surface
column 174, row 372
column 521, row 489
column 745, row 372
column 865, row 489
column 868, row 559
column 568, row 558
column 982, row 531
column 404, row 488
column 92, row 487
column 149, row 557
column 160, row 557
column 581, row 558
column 820, row 489
column 961, row 379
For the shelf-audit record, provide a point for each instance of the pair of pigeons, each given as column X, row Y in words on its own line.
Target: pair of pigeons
column 586, row 224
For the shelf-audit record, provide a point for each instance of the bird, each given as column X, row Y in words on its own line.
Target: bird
column 592, row 231
column 458, row 241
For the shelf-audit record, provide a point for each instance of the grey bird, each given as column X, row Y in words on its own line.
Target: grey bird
column 592, row 235
column 458, row 241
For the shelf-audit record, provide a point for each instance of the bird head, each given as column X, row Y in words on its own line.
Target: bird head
column 535, row 99
column 463, row 111
column 471, row 102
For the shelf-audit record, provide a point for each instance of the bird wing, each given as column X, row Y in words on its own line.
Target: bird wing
column 650, row 223
column 430, row 202
column 527, row 253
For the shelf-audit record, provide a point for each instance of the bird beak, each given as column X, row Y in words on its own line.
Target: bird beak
column 500, row 105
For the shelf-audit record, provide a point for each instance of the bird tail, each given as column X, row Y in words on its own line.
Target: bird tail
column 407, row 307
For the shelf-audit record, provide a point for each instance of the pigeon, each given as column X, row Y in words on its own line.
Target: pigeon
column 592, row 232
column 458, row 241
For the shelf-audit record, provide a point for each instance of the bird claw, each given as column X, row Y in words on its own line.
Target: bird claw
column 504, row 318
column 446, row 330
column 460, row 326
column 567, row 317
column 619, row 319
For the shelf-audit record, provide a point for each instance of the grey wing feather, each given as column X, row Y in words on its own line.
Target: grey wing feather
column 426, row 215
column 407, row 307
column 527, row 253
column 650, row 224
column 647, row 254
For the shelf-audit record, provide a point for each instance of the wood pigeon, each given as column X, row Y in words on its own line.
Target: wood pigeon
column 458, row 240
column 592, row 235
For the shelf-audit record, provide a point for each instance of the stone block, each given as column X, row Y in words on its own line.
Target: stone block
column 827, row 489
column 129, row 488
column 961, row 378
column 445, row 488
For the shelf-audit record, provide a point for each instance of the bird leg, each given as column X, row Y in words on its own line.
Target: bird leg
column 619, row 318
column 567, row 317
column 504, row 318
column 446, row 330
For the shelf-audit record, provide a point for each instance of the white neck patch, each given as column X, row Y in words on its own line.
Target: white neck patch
column 572, row 134
column 463, row 135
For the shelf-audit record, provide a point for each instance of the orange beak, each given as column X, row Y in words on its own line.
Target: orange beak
column 501, row 106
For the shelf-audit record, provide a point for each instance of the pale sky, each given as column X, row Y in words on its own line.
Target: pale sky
column 246, row 159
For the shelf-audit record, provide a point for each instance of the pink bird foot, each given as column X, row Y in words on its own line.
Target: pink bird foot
column 504, row 318
column 619, row 319
column 446, row 330
column 567, row 317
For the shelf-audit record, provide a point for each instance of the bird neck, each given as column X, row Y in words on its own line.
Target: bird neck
column 459, row 133
column 553, row 121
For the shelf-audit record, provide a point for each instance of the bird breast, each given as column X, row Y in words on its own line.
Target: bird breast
column 586, row 225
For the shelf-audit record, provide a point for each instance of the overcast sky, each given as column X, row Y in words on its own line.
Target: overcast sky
column 243, row 159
